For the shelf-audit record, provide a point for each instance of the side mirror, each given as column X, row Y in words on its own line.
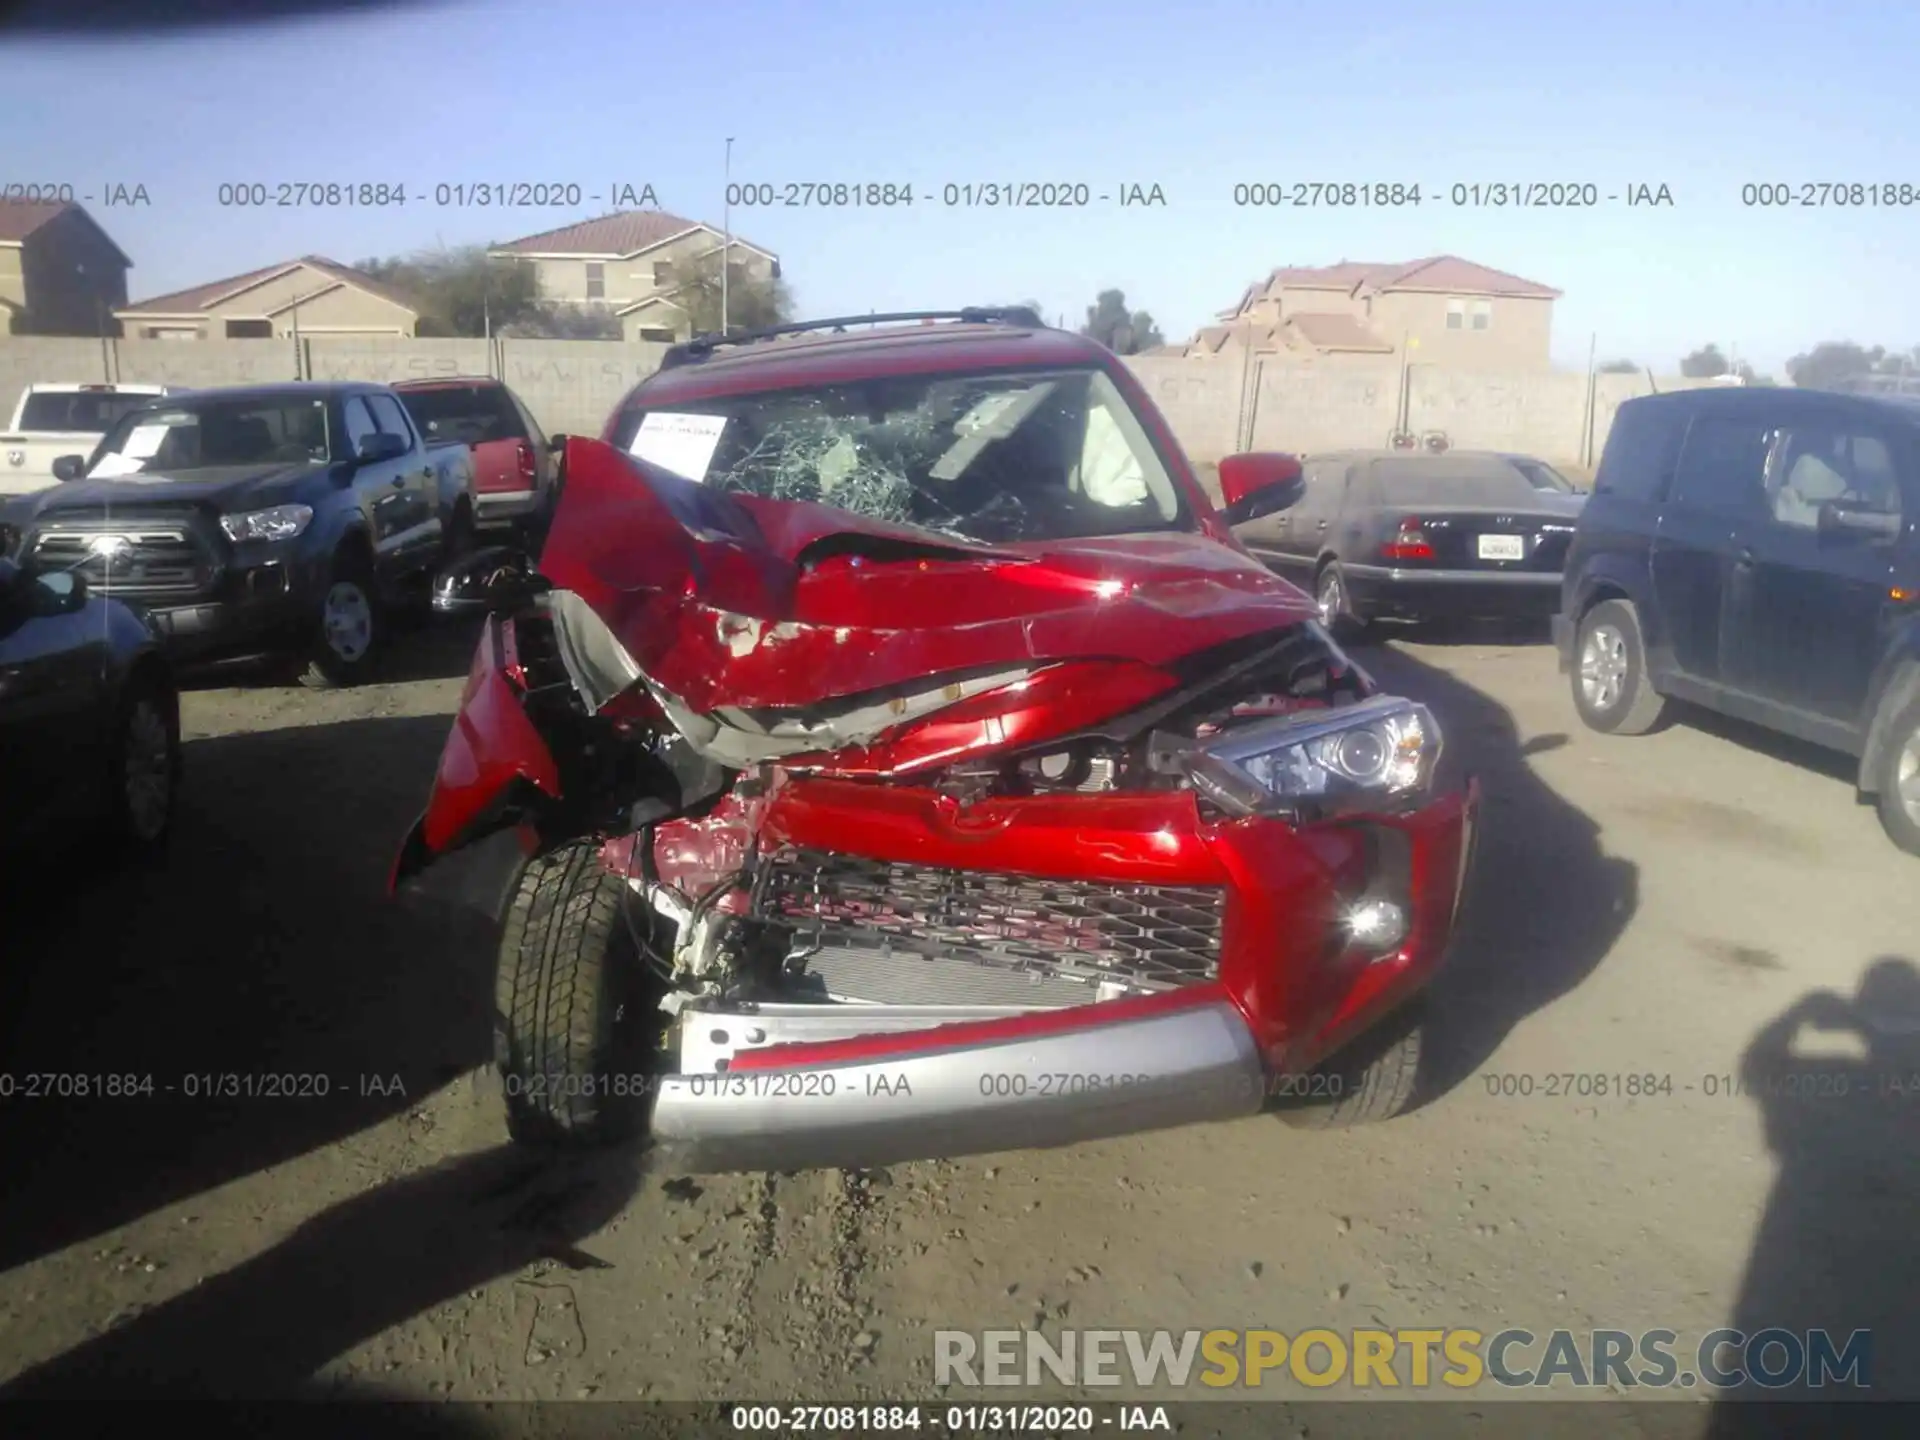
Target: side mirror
column 69, row 467
column 380, row 446
column 63, row 587
column 498, row 579
column 1258, row 484
column 1837, row 519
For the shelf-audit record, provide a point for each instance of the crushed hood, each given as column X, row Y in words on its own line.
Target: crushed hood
column 740, row 603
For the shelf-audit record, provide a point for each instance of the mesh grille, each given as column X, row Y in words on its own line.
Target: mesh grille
column 1149, row 936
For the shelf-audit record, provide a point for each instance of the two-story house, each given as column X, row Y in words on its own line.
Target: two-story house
column 627, row 262
column 60, row 273
column 1439, row 311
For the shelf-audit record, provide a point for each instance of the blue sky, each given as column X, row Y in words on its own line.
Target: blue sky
column 1194, row 96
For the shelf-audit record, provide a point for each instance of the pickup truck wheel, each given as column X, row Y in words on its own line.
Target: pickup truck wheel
column 1897, row 794
column 575, row 1030
column 349, row 632
column 145, row 759
column 1372, row 1079
column 1610, row 685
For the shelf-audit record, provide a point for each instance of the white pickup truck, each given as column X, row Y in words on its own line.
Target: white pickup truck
column 55, row 420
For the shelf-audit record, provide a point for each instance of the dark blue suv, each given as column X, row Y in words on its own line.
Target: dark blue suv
column 1755, row 551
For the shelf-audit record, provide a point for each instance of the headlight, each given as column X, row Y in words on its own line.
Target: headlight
column 1380, row 752
column 282, row 522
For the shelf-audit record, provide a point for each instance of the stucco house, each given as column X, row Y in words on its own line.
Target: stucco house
column 60, row 273
column 308, row 296
column 1442, row 310
column 626, row 262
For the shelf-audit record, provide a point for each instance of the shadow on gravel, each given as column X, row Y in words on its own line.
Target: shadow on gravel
column 1546, row 902
column 263, row 947
column 1530, row 631
column 262, row 1330
column 421, row 647
column 1834, row 1249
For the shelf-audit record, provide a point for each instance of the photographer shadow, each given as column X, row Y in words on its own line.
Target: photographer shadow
column 1835, row 1251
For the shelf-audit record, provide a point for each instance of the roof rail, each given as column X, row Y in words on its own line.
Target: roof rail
column 702, row 346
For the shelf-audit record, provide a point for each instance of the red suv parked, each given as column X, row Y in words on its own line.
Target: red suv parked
column 513, row 463
column 902, row 759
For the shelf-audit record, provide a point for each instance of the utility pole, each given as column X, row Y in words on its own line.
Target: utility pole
column 726, row 239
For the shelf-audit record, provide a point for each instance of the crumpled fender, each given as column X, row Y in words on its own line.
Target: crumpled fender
column 493, row 758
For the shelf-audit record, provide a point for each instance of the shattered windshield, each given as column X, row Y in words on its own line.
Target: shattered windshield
column 993, row 457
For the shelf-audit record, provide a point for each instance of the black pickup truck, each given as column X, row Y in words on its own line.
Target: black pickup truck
column 273, row 521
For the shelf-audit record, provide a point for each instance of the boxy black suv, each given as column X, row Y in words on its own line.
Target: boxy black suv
column 1755, row 551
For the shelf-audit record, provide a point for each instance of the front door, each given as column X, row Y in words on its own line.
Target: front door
column 1703, row 543
column 1817, row 605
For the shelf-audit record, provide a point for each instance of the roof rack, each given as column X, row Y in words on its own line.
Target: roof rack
column 702, row 346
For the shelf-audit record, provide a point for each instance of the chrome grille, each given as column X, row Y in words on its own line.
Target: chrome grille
column 1148, row 936
column 134, row 559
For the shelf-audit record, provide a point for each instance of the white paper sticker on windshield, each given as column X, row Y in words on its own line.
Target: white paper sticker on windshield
column 112, row 466
column 145, row 442
column 683, row 444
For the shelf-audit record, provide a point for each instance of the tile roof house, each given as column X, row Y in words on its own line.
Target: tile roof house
column 308, row 296
column 1443, row 310
column 626, row 262
column 60, row 273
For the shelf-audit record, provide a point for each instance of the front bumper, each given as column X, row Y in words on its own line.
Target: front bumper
column 846, row 1084
column 265, row 615
column 1386, row 592
column 965, row 1088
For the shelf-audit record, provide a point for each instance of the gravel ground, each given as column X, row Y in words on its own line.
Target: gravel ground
column 1651, row 907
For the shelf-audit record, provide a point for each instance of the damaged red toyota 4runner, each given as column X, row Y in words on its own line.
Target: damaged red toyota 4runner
column 901, row 759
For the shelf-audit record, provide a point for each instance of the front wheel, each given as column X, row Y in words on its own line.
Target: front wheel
column 350, row 629
column 1373, row 1079
column 574, row 1033
column 1897, row 794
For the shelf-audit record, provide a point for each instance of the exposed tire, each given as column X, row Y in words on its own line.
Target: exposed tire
column 350, row 629
column 1330, row 593
column 1373, row 1079
column 1611, row 689
column 144, row 780
column 576, row 1026
column 1897, row 786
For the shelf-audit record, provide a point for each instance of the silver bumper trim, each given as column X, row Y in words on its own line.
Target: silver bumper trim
column 1099, row 1079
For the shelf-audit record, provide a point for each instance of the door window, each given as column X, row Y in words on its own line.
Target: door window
column 1723, row 467
column 359, row 423
column 388, row 415
column 1815, row 464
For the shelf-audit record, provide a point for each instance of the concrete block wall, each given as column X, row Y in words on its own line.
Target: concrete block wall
column 1216, row 404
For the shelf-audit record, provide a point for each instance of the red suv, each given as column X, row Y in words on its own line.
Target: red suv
column 512, row 460
column 902, row 760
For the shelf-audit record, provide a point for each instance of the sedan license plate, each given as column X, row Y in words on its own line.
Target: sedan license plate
column 1503, row 547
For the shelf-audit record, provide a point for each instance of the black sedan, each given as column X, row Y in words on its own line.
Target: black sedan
column 89, row 716
column 1383, row 534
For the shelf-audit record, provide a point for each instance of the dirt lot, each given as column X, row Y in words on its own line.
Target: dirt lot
column 1642, row 907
